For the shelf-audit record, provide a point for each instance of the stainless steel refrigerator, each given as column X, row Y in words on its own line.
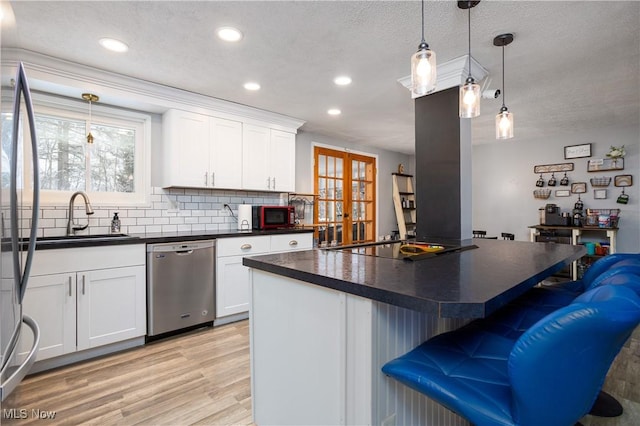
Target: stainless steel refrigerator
column 17, row 252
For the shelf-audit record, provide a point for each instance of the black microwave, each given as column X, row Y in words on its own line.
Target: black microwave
column 272, row 217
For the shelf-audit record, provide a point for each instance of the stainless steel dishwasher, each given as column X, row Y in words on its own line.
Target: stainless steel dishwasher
column 180, row 285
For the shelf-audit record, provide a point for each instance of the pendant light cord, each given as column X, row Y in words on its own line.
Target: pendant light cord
column 469, row 27
column 423, row 22
column 504, row 92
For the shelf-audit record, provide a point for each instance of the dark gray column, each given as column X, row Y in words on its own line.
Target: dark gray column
column 443, row 168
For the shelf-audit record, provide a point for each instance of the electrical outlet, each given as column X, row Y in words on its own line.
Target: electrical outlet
column 389, row 421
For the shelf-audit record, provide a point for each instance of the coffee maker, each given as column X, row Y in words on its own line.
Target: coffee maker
column 578, row 213
column 552, row 216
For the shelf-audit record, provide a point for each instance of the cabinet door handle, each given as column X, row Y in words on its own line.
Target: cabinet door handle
column 293, row 243
column 245, row 247
column 205, row 179
column 274, row 183
column 213, row 178
column 83, row 283
column 269, row 183
column 70, row 286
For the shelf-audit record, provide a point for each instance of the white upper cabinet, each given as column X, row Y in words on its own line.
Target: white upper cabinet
column 268, row 159
column 185, row 149
column 201, row 151
column 282, row 160
column 255, row 153
column 226, row 155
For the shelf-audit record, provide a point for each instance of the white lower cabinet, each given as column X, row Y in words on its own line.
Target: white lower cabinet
column 86, row 308
column 232, row 278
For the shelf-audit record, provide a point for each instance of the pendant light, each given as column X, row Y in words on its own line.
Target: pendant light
column 504, row 119
column 423, row 67
column 90, row 97
column 470, row 92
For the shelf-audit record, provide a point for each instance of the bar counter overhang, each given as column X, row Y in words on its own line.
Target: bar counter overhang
column 323, row 322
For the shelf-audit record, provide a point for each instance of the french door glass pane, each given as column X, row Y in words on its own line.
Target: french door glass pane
column 339, row 168
column 331, row 170
column 322, row 188
column 322, row 165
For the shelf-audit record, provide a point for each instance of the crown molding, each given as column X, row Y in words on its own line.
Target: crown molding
column 452, row 73
column 65, row 78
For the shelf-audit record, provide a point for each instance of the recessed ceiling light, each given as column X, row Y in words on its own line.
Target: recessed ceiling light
column 342, row 80
column 334, row 111
column 252, row 86
column 229, row 34
column 113, row 45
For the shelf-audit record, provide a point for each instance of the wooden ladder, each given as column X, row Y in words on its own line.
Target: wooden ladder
column 404, row 201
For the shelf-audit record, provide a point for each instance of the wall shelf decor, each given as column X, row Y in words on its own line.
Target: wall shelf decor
column 604, row 164
column 562, row 193
column 551, row 168
column 599, row 194
column 623, row 180
column 577, row 151
column 579, row 187
column 542, row 194
column 600, row 182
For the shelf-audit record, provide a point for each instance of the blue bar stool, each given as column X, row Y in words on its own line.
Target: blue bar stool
column 550, row 375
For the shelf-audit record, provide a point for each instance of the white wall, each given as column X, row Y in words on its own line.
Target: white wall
column 503, row 182
column 387, row 163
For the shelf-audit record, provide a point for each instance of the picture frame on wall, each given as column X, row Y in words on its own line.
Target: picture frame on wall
column 599, row 194
column 579, row 187
column 623, row 180
column 563, row 193
column 577, row 151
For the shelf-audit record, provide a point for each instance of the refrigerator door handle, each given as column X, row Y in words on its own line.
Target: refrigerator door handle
column 16, row 377
column 23, row 86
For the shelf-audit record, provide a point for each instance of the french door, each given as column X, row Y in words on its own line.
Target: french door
column 345, row 207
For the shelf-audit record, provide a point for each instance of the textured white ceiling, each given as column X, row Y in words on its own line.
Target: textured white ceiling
column 573, row 65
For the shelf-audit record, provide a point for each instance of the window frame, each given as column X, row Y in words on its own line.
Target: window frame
column 105, row 115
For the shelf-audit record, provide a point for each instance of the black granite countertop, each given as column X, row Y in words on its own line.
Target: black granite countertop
column 466, row 284
column 151, row 238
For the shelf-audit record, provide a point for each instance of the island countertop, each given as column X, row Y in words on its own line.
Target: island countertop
column 465, row 284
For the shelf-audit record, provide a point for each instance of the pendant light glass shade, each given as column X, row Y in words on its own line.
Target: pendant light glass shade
column 504, row 124
column 423, row 71
column 469, row 102
column 469, row 99
column 504, row 119
column 423, row 67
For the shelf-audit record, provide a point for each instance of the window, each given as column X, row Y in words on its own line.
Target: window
column 112, row 170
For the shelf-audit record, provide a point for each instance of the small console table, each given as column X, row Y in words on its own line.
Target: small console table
column 577, row 236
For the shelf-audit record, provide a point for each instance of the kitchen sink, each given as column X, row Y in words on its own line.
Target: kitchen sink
column 80, row 240
column 84, row 237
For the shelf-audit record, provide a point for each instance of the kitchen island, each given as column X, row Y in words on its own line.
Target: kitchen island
column 323, row 322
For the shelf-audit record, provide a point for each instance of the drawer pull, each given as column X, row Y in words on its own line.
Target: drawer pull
column 293, row 243
column 245, row 246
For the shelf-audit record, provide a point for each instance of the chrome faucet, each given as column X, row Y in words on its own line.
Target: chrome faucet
column 71, row 227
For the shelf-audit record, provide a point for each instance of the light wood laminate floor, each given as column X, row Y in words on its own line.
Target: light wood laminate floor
column 203, row 377
column 198, row 378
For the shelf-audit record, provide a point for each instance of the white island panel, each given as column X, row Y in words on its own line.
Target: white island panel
column 316, row 355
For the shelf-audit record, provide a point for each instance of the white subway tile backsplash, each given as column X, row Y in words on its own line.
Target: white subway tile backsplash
column 54, row 214
column 170, row 210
